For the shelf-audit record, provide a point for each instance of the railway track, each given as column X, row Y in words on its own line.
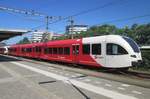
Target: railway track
column 128, row 77
column 126, row 73
column 136, row 74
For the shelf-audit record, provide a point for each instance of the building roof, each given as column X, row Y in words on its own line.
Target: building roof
column 77, row 26
column 8, row 33
column 57, row 34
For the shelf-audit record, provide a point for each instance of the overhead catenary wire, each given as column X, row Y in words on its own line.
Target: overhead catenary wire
column 77, row 14
column 25, row 18
column 117, row 20
column 123, row 19
column 32, row 13
column 20, row 11
column 84, row 12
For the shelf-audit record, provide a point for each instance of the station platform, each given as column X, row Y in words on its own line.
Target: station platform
column 25, row 80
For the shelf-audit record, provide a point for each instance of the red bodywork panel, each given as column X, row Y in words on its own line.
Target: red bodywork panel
column 79, row 58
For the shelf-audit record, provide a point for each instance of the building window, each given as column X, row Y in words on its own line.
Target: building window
column 67, row 51
column 96, row 49
column 86, row 49
column 114, row 49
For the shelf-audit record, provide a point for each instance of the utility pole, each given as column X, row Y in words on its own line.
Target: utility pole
column 47, row 21
column 71, row 27
column 46, row 35
column 50, row 18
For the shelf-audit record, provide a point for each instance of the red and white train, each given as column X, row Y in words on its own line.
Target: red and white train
column 4, row 50
column 110, row 51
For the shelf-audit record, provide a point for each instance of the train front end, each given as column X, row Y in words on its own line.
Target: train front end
column 135, row 53
column 121, row 52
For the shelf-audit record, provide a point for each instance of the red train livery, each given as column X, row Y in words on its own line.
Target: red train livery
column 111, row 51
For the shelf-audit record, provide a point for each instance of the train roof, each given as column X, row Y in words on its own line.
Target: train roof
column 71, row 41
column 68, row 41
column 25, row 45
column 62, row 42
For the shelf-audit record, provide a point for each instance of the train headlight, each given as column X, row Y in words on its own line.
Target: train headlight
column 134, row 56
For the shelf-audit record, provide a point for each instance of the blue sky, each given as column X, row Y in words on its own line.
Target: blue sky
column 122, row 9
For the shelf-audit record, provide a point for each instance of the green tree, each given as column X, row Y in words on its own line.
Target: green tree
column 25, row 40
column 143, row 34
column 99, row 30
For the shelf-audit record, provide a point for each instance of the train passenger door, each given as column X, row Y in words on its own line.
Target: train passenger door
column 98, row 53
column 33, row 52
column 75, row 52
column 39, row 51
column 116, row 56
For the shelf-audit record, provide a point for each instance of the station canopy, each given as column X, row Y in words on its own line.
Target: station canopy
column 8, row 33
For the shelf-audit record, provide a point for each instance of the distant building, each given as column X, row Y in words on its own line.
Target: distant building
column 2, row 44
column 56, row 35
column 76, row 29
column 36, row 36
column 39, row 36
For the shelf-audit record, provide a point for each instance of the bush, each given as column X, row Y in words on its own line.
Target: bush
column 146, row 59
column 145, row 65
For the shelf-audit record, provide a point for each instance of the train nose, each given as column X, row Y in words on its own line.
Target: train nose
column 136, row 63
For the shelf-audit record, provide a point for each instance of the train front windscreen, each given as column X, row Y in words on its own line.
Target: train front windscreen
column 133, row 44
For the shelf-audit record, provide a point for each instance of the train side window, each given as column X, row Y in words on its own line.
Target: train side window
column 50, row 50
column 36, row 49
column 22, row 49
column 54, row 50
column 67, row 51
column 40, row 49
column 96, row 49
column 15, row 49
column 30, row 49
column 45, row 50
column 33, row 49
column 27, row 49
column 115, row 49
column 77, row 49
column 86, row 49
column 60, row 50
